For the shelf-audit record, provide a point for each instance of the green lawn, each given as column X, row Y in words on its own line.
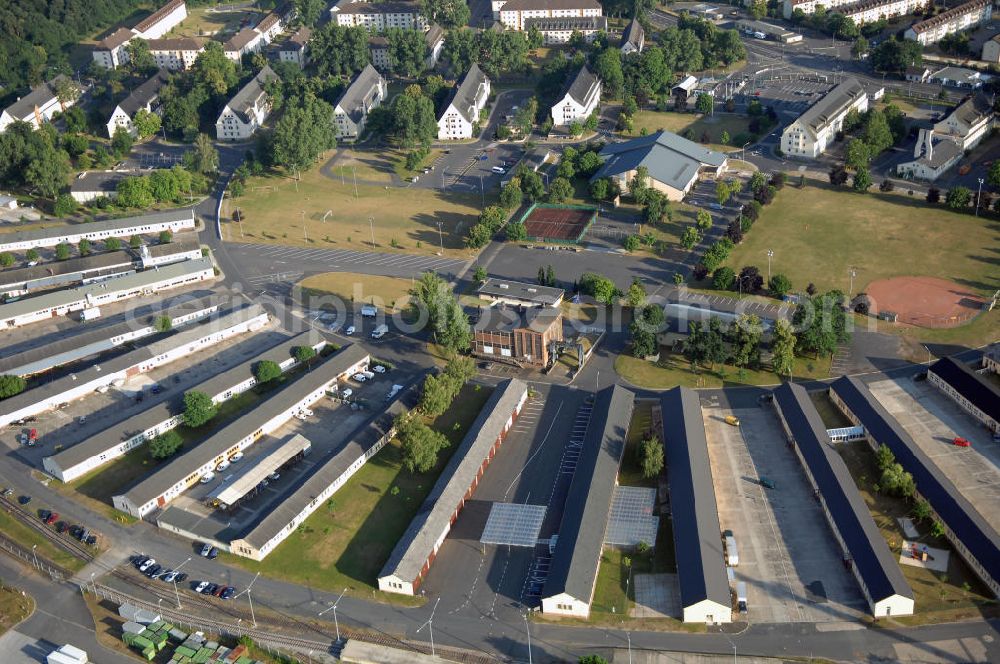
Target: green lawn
column 346, row 542
column 388, row 293
column 673, row 370
column 206, row 21
column 818, row 232
column 956, row 595
column 15, row 606
column 630, row 473
column 714, row 125
column 29, row 537
column 335, row 215
column 614, row 576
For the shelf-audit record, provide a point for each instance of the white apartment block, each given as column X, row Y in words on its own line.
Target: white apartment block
column 561, row 30
column 580, row 98
column 865, row 11
column 175, row 54
column 38, row 106
column 378, row 17
column 145, row 97
column 514, row 13
column 968, row 123
column 366, row 91
column 811, row 134
column 461, row 113
column 243, row 42
column 111, row 52
column 247, row 111
column 295, row 49
column 966, row 16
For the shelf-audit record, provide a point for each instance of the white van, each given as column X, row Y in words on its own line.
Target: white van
column 380, row 331
column 498, row 170
column 732, row 554
column 741, row 597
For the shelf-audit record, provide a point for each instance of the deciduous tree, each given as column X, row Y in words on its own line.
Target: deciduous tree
column 198, row 408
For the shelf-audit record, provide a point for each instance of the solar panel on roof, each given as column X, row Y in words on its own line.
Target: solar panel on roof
column 513, row 524
column 632, row 519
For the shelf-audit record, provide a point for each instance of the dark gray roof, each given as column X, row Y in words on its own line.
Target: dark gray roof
column 581, row 87
column 433, row 35
column 175, row 247
column 353, row 101
column 833, row 102
column 874, row 562
column 417, row 544
column 181, row 467
column 983, row 394
column 519, row 290
column 116, row 39
column 391, row 7
column 176, row 44
column 75, row 341
column 174, row 405
column 102, row 182
column 697, row 534
column 573, row 569
column 670, row 158
column 363, row 439
column 464, row 94
column 249, row 94
column 124, row 224
column 943, row 152
column 954, row 510
column 508, row 319
column 972, row 110
column 145, row 94
column 634, row 33
column 561, row 23
column 39, row 96
column 298, row 40
column 73, row 266
column 59, row 386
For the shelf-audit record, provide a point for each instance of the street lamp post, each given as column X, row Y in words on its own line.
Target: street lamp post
column 853, row 272
column 430, row 625
column 770, row 255
column 246, row 592
column 628, row 635
column 333, row 607
column 978, row 194
column 440, row 238
column 743, row 151
column 177, row 594
column 371, row 226
column 34, row 554
column 528, row 632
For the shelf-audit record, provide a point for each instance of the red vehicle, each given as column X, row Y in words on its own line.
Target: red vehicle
column 51, row 518
column 961, row 442
column 33, row 435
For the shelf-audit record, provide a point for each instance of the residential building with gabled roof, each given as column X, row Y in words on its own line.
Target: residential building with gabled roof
column 634, row 38
column 514, row 13
column 814, row 130
column 112, row 51
column 247, row 110
column 560, row 30
column 243, row 42
column 966, row 16
column 366, row 91
column 379, row 16
column 39, row 105
column 177, row 53
column 968, row 123
column 460, row 113
column 580, row 97
column 145, row 97
column 295, row 48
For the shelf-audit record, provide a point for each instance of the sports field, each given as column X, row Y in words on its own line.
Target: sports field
column 558, row 223
column 819, row 233
column 325, row 212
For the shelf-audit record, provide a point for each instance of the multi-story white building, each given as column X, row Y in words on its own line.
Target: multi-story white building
column 295, row 48
column 461, row 111
column 245, row 41
column 377, row 17
column 434, row 38
column 560, row 30
column 991, row 49
column 968, row 123
column 634, row 38
column 514, row 13
column 932, row 157
column 175, row 54
column 247, row 111
column 145, row 97
column 814, row 130
column 966, row 16
column 175, row 221
column 366, row 91
column 112, row 51
column 378, row 47
column 865, row 11
column 39, row 105
column 580, row 98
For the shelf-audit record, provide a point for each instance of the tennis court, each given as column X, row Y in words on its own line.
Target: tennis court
column 558, row 223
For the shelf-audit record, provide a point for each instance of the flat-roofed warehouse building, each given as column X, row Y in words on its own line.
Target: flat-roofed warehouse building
column 185, row 249
column 174, row 221
column 569, row 588
column 705, row 595
column 974, row 393
column 62, row 302
column 246, row 318
column 75, row 271
column 295, row 508
column 515, row 293
column 128, row 434
column 872, row 563
column 155, row 491
column 65, row 347
column 249, row 475
column 972, row 536
column 413, row 554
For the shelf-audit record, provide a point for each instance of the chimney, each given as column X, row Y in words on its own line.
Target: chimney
column 929, row 149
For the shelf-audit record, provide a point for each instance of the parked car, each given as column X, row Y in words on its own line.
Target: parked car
column 213, row 553
column 169, row 577
column 236, row 457
column 24, row 500
column 51, row 518
column 146, row 564
column 207, row 477
column 91, row 540
column 222, row 466
column 8, row 492
column 61, row 527
column 205, row 549
column 181, row 577
column 378, row 368
column 217, row 591
column 767, row 483
column 360, row 377
column 228, row 592
column 274, row 477
column 153, row 571
column 961, row 442
column 201, row 587
column 44, row 514
column 350, row 330
column 210, row 589
column 346, row 393
column 732, row 420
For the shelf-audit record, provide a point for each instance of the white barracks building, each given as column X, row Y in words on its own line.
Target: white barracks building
column 514, row 12
column 815, row 130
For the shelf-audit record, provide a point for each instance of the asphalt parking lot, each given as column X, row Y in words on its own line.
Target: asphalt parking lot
column 497, row 582
column 788, row 557
column 933, row 421
column 790, row 97
column 58, row 429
